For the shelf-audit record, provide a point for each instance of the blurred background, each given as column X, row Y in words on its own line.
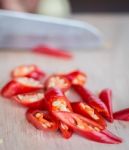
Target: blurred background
column 99, row 5
column 63, row 8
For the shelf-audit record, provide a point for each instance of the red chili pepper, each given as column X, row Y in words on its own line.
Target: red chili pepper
column 32, row 100
column 54, row 52
column 19, row 86
column 58, row 81
column 122, row 115
column 65, row 130
column 41, row 120
column 31, row 71
column 86, row 127
column 77, row 77
column 87, row 111
column 106, row 97
column 91, row 99
column 56, row 101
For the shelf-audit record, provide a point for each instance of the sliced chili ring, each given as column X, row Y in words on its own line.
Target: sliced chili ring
column 33, row 100
column 20, row 85
column 86, row 127
column 41, row 120
column 31, row 71
column 87, row 111
column 77, row 77
column 58, row 81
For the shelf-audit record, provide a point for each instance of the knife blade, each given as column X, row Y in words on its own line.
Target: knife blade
column 23, row 30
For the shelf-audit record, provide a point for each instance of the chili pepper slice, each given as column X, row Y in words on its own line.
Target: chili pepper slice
column 32, row 100
column 20, row 85
column 58, row 102
column 41, row 120
column 83, row 109
column 58, row 81
column 122, row 115
column 91, row 99
column 106, row 96
column 54, row 52
column 65, row 130
column 31, row 71
column 87, row 128
column 77, row 77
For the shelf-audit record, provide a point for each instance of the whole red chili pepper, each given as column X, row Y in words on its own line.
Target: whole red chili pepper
column 56, row 101
column 41, row 120
column 106, row 96
column 91, row 99
column 54, row 52
column 86, row 127
column 122, row 115
column 85, row 110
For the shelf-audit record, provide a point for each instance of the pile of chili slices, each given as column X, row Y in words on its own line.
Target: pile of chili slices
column 51, row 110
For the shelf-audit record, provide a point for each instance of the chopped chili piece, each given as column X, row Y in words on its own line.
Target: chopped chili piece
column 31, row 71
column 87, row 111
column 20, row 85
column 53, row 52
column 122, row 115
column 77, row 77
column 58, row 81
column 91, row 99
column 106, row 97
column 57, row 101
column 65, row 130
column 41, row 120
column 32, row 100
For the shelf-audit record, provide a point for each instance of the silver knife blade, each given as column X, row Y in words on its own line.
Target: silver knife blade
column 24, row 30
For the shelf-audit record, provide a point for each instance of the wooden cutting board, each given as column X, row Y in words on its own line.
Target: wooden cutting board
column 105, row 67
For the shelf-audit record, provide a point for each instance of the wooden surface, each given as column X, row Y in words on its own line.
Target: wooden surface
column 106, row 67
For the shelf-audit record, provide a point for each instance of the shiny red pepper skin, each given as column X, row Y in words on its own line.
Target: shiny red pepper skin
column 14, row 87
column 47, row 118
column 79, row 107
column 91, row 99
column 55, row 96
column 106, row 96
column 76, row 77
column 98, row 135
column 53, row 52
column 122, row 115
